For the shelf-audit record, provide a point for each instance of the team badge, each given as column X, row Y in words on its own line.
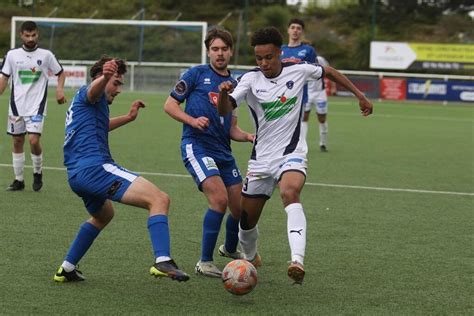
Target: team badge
column 213, row 96
column 39, row 62
column 290, row 84
column 181, row 87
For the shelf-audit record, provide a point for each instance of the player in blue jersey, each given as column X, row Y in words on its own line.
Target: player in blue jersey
column 97, row 179
column 205, row 147
column 296, row 51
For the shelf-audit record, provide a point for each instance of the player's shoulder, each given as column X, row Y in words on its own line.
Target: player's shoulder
column 249, row 75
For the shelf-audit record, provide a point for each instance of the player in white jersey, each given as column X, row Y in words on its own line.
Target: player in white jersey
column 28, row 68
column 318, row 98
column 273, row 92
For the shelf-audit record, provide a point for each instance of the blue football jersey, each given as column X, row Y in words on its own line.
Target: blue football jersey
column 87, row 129
column 199, row 87
column 297, row 54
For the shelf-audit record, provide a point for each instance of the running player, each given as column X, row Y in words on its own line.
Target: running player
column 273, row 92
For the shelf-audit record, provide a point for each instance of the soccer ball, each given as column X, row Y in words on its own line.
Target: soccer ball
column 239, row 277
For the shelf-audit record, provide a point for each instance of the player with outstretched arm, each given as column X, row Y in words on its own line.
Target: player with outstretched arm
column 273, row 92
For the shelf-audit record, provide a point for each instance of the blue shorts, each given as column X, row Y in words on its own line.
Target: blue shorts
column 201, row 165
column 97, row 184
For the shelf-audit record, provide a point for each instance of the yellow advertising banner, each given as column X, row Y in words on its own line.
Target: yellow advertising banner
column 455, row 53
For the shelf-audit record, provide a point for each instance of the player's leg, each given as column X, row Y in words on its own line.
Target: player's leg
column 321, row 111
column 214, row 189
column 34, row 127
column 101, row 212
column 16, row 128
column 291, row 184
column 138, row 191
column 206, row 174
column 252, row 207
column 233, row 182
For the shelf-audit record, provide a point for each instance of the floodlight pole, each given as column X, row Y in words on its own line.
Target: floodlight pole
column 142, row 34
column 374, row 19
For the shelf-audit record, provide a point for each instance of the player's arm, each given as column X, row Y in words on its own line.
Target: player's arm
column 224, row 105
column 365, row 105
column 118, row 121
column 97, row 86
column 3, row 83
column 60, row 88
column 237, row 134
column 173, row 108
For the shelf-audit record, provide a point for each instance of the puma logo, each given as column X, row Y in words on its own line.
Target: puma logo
column 296, row 231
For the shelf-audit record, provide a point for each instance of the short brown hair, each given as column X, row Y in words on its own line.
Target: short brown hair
column 221, row 33
column 96, row 70
column 296, row 21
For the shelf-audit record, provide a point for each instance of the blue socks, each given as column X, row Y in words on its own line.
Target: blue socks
column 84, row 239
column 210, row 231
column 159, row 235
column 232, row 234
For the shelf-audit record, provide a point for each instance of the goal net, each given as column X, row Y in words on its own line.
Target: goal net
column 141, row 41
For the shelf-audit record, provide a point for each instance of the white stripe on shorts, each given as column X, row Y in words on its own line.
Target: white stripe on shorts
column 197, row 168
column 118, row 172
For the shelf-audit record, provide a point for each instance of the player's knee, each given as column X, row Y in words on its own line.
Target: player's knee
column 161, row 201
column 219, row 203
column 289, row 195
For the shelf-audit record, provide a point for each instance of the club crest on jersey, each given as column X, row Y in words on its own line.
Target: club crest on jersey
column 213, row 96
column 290, row 84
column 302, row 53
column 181, row 87
column 39, row 62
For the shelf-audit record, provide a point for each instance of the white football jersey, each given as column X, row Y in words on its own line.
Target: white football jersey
column 29, row 79
column 316, row 86
column 275, row 106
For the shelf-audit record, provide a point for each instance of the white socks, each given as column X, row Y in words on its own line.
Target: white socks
column 37, row 161
column 304, row 129
column 18, row 165
column 67, row 266
column 323, row 133
column 296, row 224
column 162, row 259
column 248, row 242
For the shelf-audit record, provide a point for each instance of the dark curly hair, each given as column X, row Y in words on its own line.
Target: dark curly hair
column 218, row 32
column 267, row 35
column 96, row 70
column 28, row 26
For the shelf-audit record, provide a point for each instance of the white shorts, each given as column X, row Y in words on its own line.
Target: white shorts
column 319, row 100
column 20, row 125
column 263, row 176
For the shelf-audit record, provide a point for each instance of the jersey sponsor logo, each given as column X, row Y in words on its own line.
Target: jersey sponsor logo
column 302, row 53
column 207, row 80
column 261, row 91
column 181, row 87
column 29, row 76
column 213, row 96
column 278, row 108
column 291, row 60
column 290, row 84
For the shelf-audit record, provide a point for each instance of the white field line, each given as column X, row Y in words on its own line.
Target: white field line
column 343, row 186
column 407, row 117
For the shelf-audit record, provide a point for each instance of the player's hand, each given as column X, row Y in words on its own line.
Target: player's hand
column 226, row 86
column 250, row 138
column 109, row 69
column 60, row 97
column 201, row 123
column 366, row 107
column 136, row 105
